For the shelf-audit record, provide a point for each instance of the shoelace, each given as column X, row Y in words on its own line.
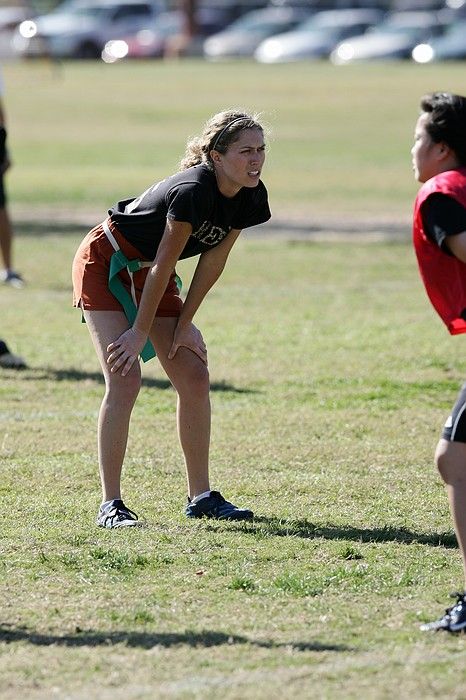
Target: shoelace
column 118, row 512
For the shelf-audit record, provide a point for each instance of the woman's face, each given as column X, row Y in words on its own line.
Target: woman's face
column 241, row 165
column 426, row 153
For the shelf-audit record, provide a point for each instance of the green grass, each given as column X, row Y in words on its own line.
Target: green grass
column 89, row 134
column 328, row 395
column 331, row 377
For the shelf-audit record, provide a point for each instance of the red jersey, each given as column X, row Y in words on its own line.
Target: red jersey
column 444, row 276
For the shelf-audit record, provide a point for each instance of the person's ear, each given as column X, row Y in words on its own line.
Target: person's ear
column 444, row 150
column 215, row 156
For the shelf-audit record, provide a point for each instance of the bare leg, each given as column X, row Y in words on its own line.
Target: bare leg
column 450, row 458
column 117, row 404
column 190, row 378
column 6, row 235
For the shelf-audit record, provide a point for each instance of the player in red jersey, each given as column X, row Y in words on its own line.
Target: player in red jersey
column 439, row 234
column 198, row 211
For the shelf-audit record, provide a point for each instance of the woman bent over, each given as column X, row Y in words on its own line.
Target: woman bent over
column 124, row 281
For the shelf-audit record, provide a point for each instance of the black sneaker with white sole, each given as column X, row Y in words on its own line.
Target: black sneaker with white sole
column 215, row 506
column 454, row 619
column 116, row 514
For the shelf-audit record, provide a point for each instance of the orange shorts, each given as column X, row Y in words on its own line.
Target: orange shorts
column 91, row 266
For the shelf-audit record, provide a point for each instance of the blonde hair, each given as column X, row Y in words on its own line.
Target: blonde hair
column 220, row 131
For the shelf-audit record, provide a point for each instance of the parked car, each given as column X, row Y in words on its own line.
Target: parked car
column 243, row 36
column 154, row 41
column 449, row 47
column 394, row 38
column 80, row 29
column 10, row 17
column 317, row 36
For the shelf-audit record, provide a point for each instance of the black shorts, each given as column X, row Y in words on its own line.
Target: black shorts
column 2, row 193
column 454, row 429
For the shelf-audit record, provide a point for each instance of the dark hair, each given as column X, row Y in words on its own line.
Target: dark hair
column 446, row 122
column 220, row 131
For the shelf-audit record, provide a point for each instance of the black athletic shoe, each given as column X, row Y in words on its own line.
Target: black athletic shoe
column 454, row 619
column 8, row 359
column 215, row 506
column 116, row 514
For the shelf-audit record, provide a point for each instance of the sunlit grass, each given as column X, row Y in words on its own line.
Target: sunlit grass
column 85, row 134
column 330, row 379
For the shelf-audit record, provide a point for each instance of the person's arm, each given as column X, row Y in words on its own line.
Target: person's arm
column 208, row 270
column 443, row 218
column 457, row 245
column 124, row 351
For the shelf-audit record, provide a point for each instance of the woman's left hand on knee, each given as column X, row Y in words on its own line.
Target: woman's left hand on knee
column 188, row 336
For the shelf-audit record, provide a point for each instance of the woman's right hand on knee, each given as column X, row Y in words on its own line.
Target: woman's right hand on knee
column 124, row 351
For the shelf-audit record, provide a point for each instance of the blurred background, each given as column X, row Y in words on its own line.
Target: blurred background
column 101, row 96
column 341, row 31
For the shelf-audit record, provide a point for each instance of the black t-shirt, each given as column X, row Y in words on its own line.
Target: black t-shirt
column 191, row 196
column 443, row 216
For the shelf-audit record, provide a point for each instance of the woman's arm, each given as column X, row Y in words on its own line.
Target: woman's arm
column 457, row 245
column 125, row 350
column 208, row 270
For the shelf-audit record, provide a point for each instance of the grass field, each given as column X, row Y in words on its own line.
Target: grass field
column 339, row 144
column 328, row 395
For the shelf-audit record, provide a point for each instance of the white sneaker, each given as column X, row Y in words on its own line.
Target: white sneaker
column 116, row 514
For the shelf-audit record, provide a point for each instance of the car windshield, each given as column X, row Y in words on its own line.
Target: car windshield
column 323, row 22
column 88, row 11
column 254, row 23
column 397, row 29
column 168, row 22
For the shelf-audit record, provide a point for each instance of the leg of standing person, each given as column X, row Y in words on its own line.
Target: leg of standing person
column 8, row 274
column 5, row 238
column 188, row 375
column 115, row 410
column 450, row 459
column 190, row 378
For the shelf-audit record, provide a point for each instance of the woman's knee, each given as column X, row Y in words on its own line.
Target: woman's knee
column 193, row 380
column 450, row 459
column 123, row 389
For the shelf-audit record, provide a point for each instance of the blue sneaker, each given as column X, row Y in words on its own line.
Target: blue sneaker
column 116, row 514
column 215, row 506
column 454, row 619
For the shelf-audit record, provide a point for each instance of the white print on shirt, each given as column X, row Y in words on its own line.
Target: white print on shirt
column 209, row 234
column 136, row 202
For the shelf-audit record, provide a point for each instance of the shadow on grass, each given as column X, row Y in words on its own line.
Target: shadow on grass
column 48, row 226
column 75, row 375
column 148, row 640
column 304, row 528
